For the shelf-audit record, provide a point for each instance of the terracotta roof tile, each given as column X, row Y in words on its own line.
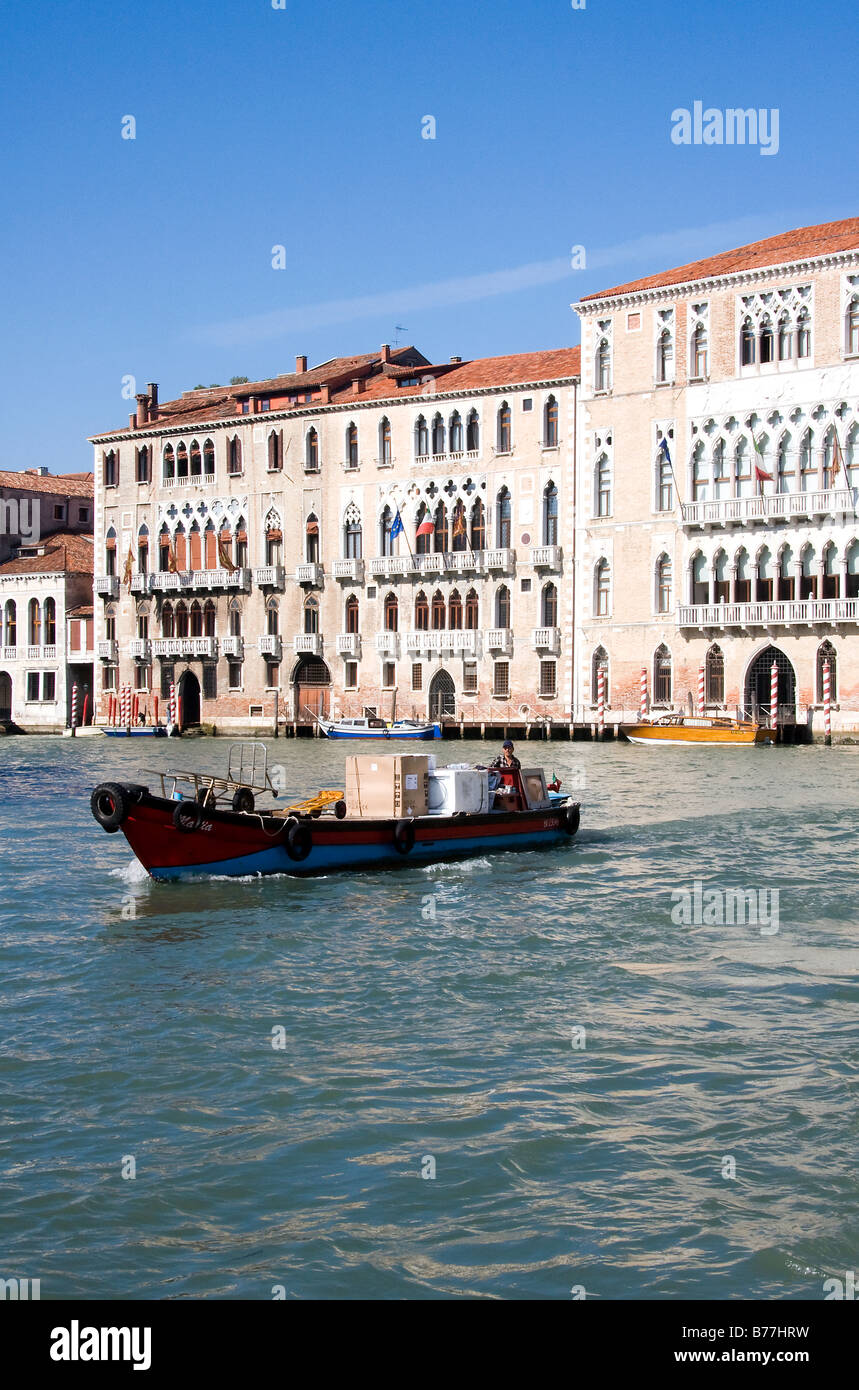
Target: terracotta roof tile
column 64, row 551
column 802, row 244
column 63, row 484
column 479, row 372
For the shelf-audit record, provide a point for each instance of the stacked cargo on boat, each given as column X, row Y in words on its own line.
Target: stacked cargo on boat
column 397, row 786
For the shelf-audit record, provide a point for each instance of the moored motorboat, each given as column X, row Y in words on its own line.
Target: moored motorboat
column 197, row 826
column 138, row 731
column 698, row 729
column 373, row 727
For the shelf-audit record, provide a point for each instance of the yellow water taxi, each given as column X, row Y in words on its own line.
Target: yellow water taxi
column 687, row 728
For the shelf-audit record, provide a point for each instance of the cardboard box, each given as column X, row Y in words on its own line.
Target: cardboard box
column 389, row 786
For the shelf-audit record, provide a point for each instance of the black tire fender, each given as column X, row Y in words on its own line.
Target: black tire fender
column 299, row 838
column 109, row 804
column 404, row 836
column 243, row 800
column 340, row 809
column 572, row 816
column 187, row 816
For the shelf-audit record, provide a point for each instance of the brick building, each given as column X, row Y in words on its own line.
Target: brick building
column 696, row 383
column 250, row 545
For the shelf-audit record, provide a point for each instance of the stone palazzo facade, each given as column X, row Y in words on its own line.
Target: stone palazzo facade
column 378, row 532
column 717, row 481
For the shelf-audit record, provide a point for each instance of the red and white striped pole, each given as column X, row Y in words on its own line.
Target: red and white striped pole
column 701, row 700
column 172, row 708
column 773, row 696
column 642, row 704
column 827, row 702
column 74, row 718
column 601, row 700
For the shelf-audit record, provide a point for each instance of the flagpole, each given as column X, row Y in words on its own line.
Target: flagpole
column 663, row 449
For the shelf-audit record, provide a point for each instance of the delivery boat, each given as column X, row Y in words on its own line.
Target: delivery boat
column 373, row 727
column 395, row 809
column 687, row 728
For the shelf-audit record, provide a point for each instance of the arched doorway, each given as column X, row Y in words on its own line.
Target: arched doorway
column 189, row 699
column 442, row 696
column 757, row 692
column 311, row 682
column 5, row 696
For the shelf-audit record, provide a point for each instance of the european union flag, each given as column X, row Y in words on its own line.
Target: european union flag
column 663, row 449
column 397, row 526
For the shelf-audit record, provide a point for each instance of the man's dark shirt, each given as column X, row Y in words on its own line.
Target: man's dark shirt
column 502, row 762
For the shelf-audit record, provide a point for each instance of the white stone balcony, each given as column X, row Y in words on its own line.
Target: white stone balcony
column 309, row 574
column 233, row 646
column 141, row 583
column 778, row 506
column 185, row 646
column 466, row 641
column 467, row 561
column 392, row 566
column 239, row 578
column 499, row 639
column 349, row 644
column 546, row 639
column 351, row 570
column 107, row 650
column 107, row 585
column 546, row 557
column 308, row 643
column 271, row 645
column 784, row 613
column 9, row 653
column 270, row 577
column 164, row 581
column 388, row 643
column 140, row 648
column 435, row 562
column 500, row 560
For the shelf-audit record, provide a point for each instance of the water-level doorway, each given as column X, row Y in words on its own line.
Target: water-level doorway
column 758, row 689
column 442, row 696
column 189, row 699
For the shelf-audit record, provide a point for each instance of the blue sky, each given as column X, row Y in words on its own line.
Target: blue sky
column 301, row 127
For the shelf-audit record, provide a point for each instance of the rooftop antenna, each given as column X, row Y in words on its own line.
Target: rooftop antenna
column 398, row 328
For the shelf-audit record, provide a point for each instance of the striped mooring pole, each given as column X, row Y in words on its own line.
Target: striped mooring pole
column 74, row 718
column 601, row 700
column 774, row 696
column 701, row 690
column 827, row 702
column 172, row 708
column 642, row 703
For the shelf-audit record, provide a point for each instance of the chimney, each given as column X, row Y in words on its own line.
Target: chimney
column 357, row 385
column 456, row 359
column 326, row 393
column 385, row 352
column 152, row 392
column 132, row 422
column 300, row 366
column 142, row 409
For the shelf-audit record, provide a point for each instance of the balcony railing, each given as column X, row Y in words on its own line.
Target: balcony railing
column 270, row 577
column 185, row 646
column 9, row 653
column 233, row 646
column 309, row 574
column 455, row 456
column 164, row 581
column 786, row 613
column 499, row 639
column 352, row 570
column 547, row 639
column 107, row 585
column 499, row 560
column 349, row 644
column 141, row 583
column 392, row 566
column 140, row 648
column 467, row 561
column 308, row 643
column 388, row 643
column 271, row 645
column 546, row 557
column 106, row 650
column 777, row 506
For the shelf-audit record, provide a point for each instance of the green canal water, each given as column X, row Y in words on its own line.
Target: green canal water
column 506, row 1078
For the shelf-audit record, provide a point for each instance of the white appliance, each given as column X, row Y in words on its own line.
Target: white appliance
column 453, row 789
